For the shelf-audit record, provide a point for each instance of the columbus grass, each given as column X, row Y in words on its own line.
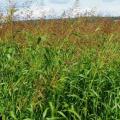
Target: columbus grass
column 67, row 72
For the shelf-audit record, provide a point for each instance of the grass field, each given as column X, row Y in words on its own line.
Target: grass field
column 60, row 70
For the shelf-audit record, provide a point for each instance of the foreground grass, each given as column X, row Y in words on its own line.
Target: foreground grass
column 61, row 80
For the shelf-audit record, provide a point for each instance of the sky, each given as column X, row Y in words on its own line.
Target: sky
column 56, row 7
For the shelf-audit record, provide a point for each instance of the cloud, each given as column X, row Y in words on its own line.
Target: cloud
column 34, row 12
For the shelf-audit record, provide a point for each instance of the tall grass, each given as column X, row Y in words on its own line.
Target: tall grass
column 62, row 80
column 60, row 70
